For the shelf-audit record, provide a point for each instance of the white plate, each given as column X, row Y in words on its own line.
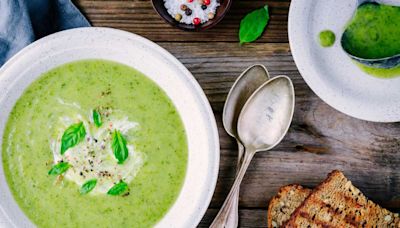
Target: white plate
column 329, row 71
column 157, row 64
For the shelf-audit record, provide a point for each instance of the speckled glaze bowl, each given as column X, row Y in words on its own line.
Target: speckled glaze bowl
column 155, row 62
column 159, row 7
column 330, row 72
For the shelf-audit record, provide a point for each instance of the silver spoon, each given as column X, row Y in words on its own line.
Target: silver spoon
column 252, row 78
column 386, row 62
column 262, row 124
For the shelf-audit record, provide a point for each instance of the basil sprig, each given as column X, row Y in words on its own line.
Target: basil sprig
column 118, row 189
column 253, row 24
column 97, row 118
column 88, row 186
column 119, row 146
column 59, row 168
column 72, row 136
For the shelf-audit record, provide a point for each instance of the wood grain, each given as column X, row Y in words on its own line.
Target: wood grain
column 138, row 16
column 320, row 138
column 249, row 218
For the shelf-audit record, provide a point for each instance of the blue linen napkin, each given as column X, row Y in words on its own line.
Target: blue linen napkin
column 24, row 21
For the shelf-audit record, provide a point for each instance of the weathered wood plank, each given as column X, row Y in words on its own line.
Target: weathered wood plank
column 138, row 16
column 216, row 66
column 320, row 139
column 248, row 218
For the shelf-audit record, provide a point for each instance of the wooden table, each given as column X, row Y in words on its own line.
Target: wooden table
column 320, row 138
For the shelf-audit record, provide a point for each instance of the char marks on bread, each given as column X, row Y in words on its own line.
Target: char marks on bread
column 337, row 203
column 282, row 206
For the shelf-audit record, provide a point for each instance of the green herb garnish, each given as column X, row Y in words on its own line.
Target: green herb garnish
column 118, row 189
column 97, row 118
column 72, row 136
column 88, row 186
column 253, row 24
column 59, row 168
column 119, row 147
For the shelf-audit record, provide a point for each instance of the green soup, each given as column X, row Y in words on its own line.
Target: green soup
column 127, row 102
column 374, row 32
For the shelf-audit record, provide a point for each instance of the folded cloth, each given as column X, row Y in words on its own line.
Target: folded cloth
column 24, row 21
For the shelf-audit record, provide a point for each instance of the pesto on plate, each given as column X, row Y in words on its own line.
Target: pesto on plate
column 374, row 31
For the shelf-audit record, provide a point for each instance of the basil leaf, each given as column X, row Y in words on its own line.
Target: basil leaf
column 88, row 186
column 72, row 136
column 97, row 118
column 118, row 189
column 59, row 168
column 253, row 24
column 119, row 147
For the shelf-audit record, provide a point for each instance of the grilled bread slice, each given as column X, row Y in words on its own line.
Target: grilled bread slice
column 337, row 203
column 284, row 203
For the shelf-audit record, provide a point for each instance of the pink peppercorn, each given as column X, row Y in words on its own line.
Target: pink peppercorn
column 196, row 21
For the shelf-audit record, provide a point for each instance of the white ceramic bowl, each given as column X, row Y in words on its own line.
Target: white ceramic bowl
column 329, row 72
column 157, row 64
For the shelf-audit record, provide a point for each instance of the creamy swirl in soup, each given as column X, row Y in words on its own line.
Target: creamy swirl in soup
column 94, row 144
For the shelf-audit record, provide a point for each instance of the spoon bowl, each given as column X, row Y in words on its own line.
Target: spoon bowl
column 385, row 63
column 262, row 124
column 270, row 107
column 244, row 86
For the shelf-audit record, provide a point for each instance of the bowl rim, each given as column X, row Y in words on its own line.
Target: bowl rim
column 345, row 100
column 193, row 28
column 207, row 113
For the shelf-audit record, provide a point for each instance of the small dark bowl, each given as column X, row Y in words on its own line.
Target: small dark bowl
column 159, row 7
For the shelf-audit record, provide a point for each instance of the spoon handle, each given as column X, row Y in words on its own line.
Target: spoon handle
column 220, row 219
column 233, row 217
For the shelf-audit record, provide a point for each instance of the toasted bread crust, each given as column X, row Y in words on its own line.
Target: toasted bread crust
column 337, row 203
column 282, row 205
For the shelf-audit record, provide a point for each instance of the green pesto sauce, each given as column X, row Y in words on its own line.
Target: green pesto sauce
column 327, row 38
column 380, row 72
column 161, row 137
column 374, row 32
